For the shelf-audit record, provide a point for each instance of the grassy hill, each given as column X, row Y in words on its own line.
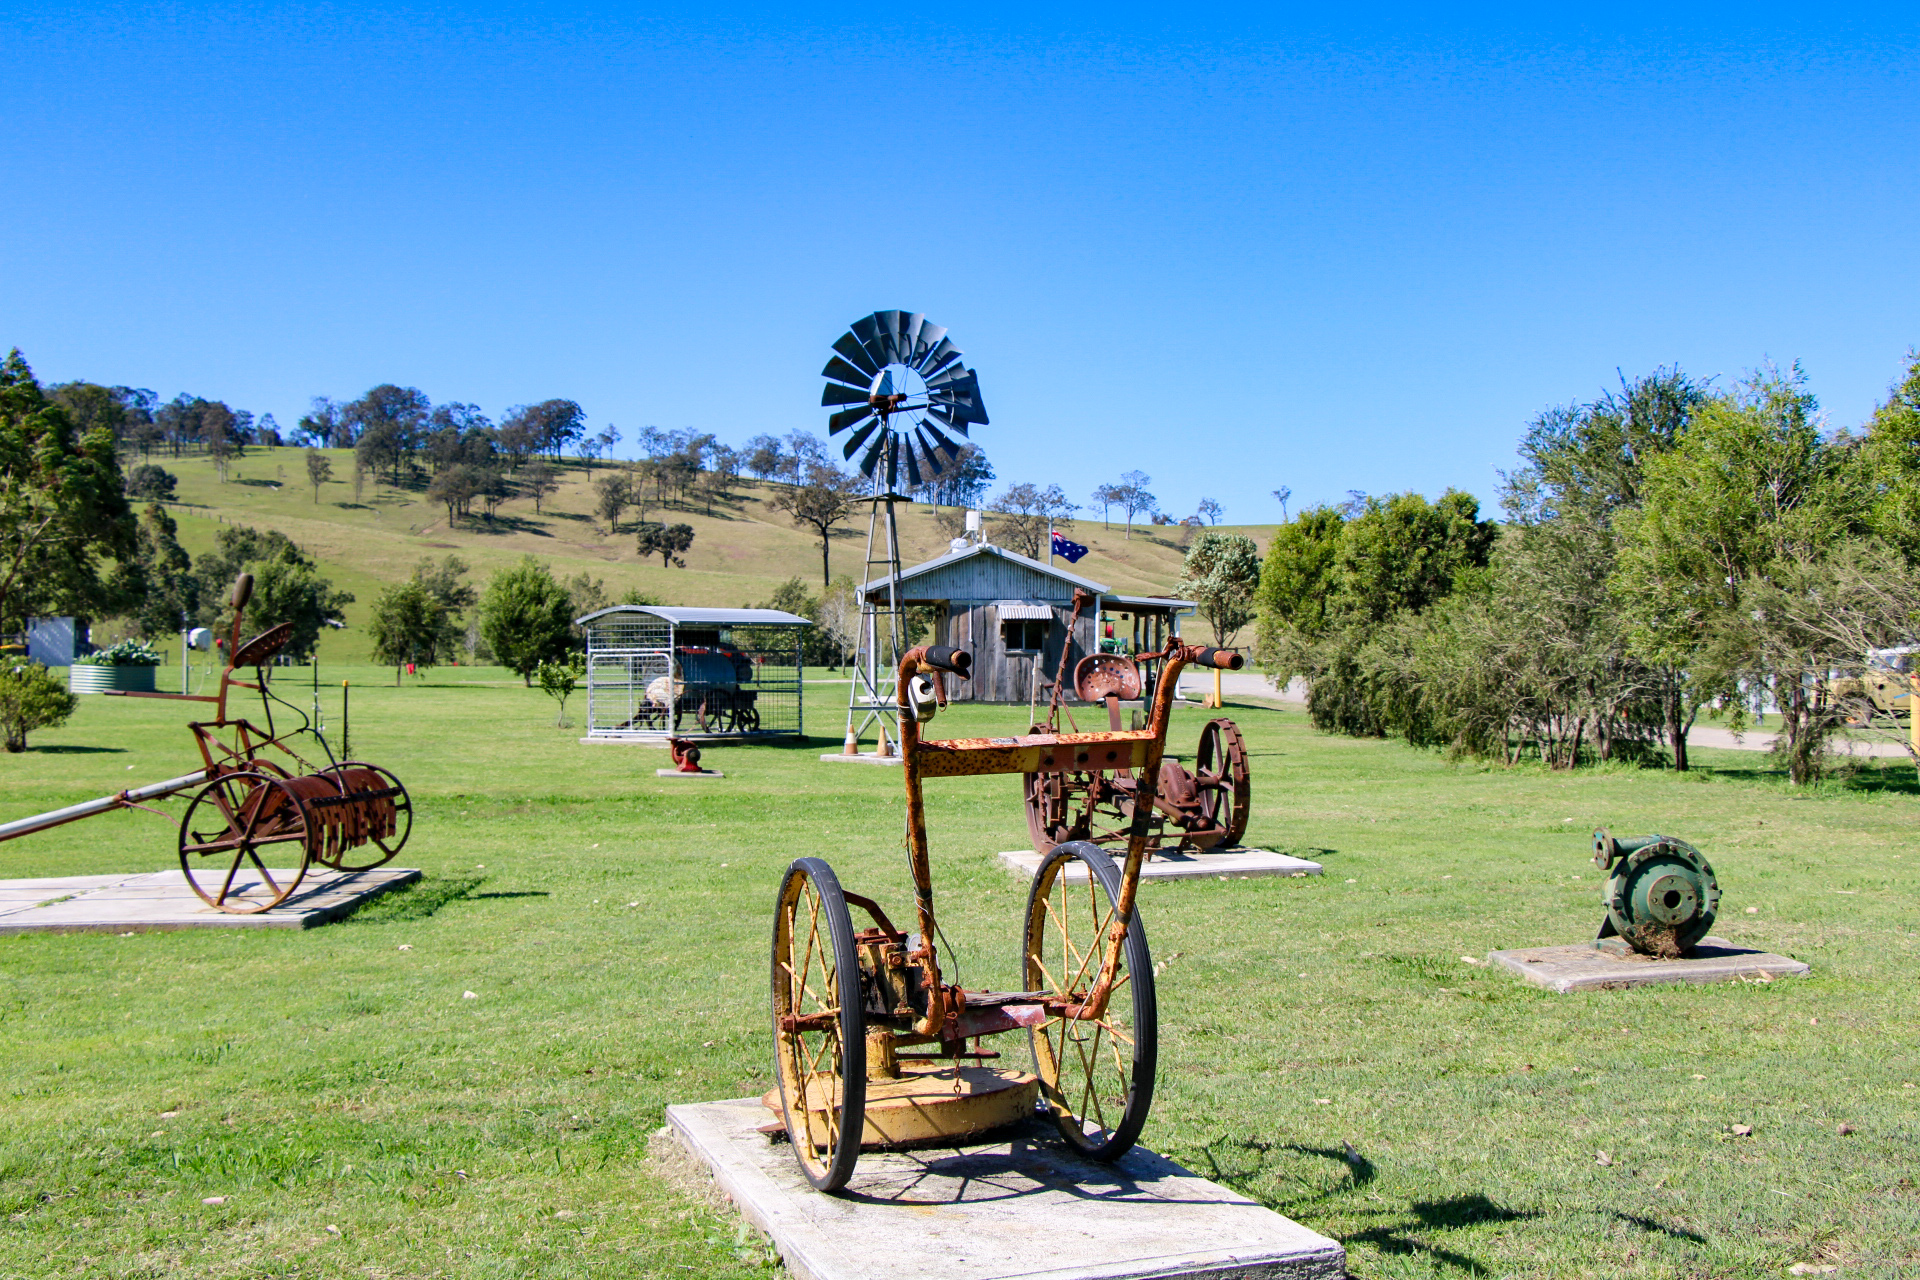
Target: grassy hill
column 742, row 551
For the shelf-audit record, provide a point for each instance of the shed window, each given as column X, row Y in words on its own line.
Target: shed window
column 1024, row 635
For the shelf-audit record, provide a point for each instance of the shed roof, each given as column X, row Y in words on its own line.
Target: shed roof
column 696, row 616
column 1148, row 604
column 879, row 585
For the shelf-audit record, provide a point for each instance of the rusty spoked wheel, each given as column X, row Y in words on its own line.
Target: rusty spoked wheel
column 385, row 809
column 1096, row 1074
column 1221, row 776
column 232, row 827
column 819, row 1033
column 1046, row 800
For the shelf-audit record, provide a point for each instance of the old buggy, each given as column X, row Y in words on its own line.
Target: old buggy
column 849, row 1005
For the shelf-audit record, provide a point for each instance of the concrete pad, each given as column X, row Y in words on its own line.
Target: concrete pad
column 865, row 757
column 139, row 901
column 682, row 773
column 1182, row 866
column 1022, row 1207
column 1612, row 966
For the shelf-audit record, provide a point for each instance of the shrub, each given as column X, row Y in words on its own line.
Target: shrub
column 30, row 699
column 154, row 484
column 128, row 653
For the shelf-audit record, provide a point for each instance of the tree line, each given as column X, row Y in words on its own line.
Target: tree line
column 1669, row 548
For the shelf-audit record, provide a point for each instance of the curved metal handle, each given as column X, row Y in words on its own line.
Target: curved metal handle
column 1223, row 659
column 946, row 658
column 242, row 590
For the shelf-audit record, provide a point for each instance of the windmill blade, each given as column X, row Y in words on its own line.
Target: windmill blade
column 910, row 336
column 846, row 418
column 930, row 336
column 954, row 424
column 871, row 458
column 961, row 398
column 849, row 346
column 865, row 330
column 939, row 356
column 936, row 461
column 947, row 447
column 855, row 440
column 840, row 371
column 837, row 394
column 945, row 377
column 888, row 324
column 913, row 467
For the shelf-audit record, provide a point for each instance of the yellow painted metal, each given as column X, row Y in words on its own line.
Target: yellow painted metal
column 928, row 1102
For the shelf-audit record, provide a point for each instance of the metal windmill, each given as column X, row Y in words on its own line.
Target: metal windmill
column 900, row 395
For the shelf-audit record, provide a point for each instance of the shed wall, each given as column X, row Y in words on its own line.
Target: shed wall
column 1000, row 676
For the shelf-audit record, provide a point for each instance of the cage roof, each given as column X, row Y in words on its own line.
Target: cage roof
column 696, row 616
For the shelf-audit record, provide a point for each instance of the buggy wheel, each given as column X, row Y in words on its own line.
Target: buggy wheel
column 228, row 826
column 1096, row 1074
column 385, row 815
column 819, row 1037
column 1221, row 776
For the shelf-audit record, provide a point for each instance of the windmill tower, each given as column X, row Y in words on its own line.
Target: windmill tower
column 900, row 393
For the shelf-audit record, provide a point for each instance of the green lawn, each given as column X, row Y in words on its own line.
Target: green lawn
column 363, row 1118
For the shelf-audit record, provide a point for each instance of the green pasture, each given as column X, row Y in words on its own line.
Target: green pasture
column 1325, row 1048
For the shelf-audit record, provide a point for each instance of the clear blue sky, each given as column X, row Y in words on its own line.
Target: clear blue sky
column 1234, row 249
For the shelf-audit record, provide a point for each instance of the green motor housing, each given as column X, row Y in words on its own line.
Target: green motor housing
column 1660, row 894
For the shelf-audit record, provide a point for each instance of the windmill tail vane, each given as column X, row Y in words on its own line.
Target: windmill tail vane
column 900, row 395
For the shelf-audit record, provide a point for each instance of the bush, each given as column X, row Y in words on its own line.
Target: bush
column 128, row 653
column 154, row 484
column 30, row 699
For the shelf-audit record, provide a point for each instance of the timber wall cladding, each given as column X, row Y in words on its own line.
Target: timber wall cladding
column 1000, row 676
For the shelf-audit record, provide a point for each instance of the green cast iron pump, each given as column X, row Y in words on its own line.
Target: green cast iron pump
column 1660, row 895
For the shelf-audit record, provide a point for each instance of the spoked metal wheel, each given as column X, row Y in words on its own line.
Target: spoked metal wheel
column 1046, row 809
column 1221, row 776
column 819, row 1037
column 233, row 828
column 367, row 823
column 1096, row 1074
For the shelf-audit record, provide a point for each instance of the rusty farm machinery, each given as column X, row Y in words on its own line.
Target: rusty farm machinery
column 258, row 799
column 875, row 1046
column 1187, row 810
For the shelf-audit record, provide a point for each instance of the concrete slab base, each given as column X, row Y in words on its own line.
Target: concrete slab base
column 1590, row 966
column 140, row 901
column 1231, row 863
column 865, row 757
column 682, row 773
column 1021, row 1207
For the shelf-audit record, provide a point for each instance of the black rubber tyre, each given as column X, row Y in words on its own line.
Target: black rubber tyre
column 1096, row 1076
column 821, row 1062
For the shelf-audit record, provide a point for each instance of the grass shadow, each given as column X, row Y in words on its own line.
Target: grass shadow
column 75, row 750
column 420, row 900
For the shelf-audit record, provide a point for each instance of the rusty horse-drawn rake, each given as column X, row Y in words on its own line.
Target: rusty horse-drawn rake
column 1195, row 809
column 347, row 816
column 846, row 1002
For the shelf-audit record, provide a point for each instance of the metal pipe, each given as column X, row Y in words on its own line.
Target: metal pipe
column 87, row 808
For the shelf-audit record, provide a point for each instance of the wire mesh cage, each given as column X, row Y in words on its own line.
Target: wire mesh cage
column 655, row 671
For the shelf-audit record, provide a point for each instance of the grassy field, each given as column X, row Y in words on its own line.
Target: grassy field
column 1325, row 1047
column 742, row 550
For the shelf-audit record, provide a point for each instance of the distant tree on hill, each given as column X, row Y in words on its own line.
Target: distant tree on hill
column 1210, row 511
column 287, row 586
column 764, row 457
column 548, row 427
column 539, row 479
column 456, row 488
column 612, row 495
column 823, row 499
column 526, row 617
column 319, row 471
column 389, row 425
column 668, row 541
column 1026, row 513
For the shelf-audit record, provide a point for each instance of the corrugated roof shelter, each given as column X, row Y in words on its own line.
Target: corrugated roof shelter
column 1011, row 614
column 660, row 670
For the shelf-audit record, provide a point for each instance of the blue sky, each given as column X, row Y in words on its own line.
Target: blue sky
column 1235, row 250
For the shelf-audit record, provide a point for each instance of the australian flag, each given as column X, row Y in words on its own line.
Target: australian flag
column 1068, row 551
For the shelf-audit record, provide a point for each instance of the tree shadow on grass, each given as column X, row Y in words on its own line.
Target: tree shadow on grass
column 71, row 750
column 499, row 525
column 1890, row 776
